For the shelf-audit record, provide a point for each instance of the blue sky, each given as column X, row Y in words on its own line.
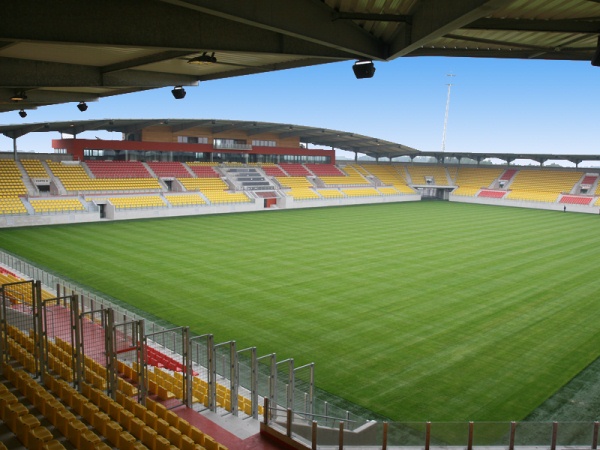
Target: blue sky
column 496, row 105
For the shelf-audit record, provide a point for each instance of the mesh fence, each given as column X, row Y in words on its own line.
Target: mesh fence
column 64, row 333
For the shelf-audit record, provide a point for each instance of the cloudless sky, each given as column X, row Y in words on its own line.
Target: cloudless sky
column 496, row 105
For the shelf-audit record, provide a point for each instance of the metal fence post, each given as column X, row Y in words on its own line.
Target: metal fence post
column 37, row 327
column 78, row 375
column 470, row 440
column 142, row 361
column 385, row 436
column 234, row 382
column 511, row 442
column 41, row 360
column 111, row 354
column 187, row 365
column 288, row 423
column 554, row 435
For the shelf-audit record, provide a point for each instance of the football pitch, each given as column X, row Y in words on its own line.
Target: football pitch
column 417, row 311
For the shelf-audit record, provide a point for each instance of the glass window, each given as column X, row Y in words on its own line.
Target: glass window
column 192, row 140
column 261, row 143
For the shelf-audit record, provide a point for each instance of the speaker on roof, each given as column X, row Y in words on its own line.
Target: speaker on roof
column 363, row 69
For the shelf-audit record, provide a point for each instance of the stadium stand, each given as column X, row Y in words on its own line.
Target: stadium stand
column 360, row 169
column 533, row 196
column 388, row 190
column 225, row 183
column 325, row 170
column 390, row 175
column 361, row 192
column 429, row 174
column 353, row 177
column 75, row 179
column 53, row 415
column 487, row 193
column 597, row 191
column 216, row 197
column 203, row 184
column 330, row 193
column 118, row 169
column 146, row 201
column 266, row 194
column 273, row 170
column 508, row 174
column 11, row 179
column 542, row 185
column 185, row 199
column 12, row 205
column 214, row 189
column 299, row 188
column 471, row 179
column 295, row 170
column 169, row 169
column 202, row 170
column 576, row 200
column 589, row 180
column 34, row 168
column 57, row 205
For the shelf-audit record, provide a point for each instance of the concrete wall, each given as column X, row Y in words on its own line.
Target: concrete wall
column 48, row 219
column 258, row 205
column 128, row 214
column 291, row 204
column 524, row 204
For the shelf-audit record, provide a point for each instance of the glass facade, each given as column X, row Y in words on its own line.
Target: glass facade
column 224, row 156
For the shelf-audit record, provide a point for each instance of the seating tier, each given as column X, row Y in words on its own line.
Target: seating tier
column 118, row 169
column 169, row 169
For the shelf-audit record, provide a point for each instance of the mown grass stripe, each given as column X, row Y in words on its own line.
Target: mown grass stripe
column 421, row 311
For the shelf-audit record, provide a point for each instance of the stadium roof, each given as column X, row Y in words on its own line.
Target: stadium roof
column 74, row 51
column 323, row 137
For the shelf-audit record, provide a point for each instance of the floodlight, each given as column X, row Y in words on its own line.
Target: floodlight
column 82, row 106
column 19, row 96
column 203, row 59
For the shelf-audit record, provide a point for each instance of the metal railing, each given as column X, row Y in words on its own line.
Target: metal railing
column 428, row 435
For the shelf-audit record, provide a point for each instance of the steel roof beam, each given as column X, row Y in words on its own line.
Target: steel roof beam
column 46, row 96
column 312, row 22
column 261, row 129
column 584, row 54
column 435, row 18
column 586, row 26
column 25, row 129
column 188, row 125
column 24, row 73
column 181, row 29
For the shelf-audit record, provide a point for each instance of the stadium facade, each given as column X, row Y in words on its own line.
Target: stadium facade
column 168, row 168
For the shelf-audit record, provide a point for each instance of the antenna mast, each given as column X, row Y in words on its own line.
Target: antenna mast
column 446, row 116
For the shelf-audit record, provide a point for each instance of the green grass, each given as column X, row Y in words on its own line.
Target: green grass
column 417, row 311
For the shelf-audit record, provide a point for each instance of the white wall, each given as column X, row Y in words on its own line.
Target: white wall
column 525, row 204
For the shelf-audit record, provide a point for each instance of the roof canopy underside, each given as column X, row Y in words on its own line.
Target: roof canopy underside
column 73, row 51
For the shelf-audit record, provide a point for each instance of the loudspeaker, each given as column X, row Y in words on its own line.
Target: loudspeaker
column 363, row 69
